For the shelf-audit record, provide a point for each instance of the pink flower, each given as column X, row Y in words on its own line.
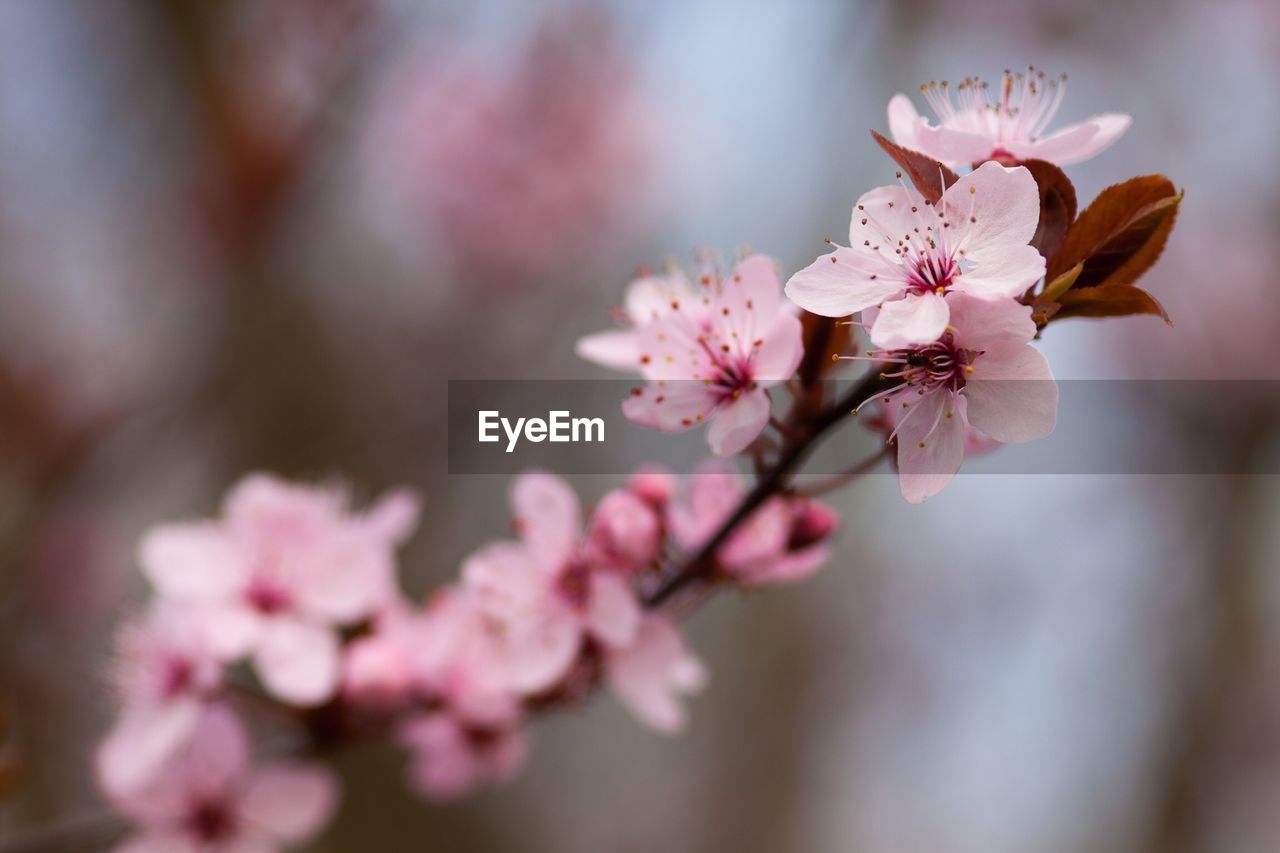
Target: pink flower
column 910, row 257
column 650, row 675
column 783, row 541
column 625, row 533
column 652, row 484
column 1007, row 125
column 544, row 593
column 284, row 567
column 451, row 757
column 168, row 667
column 714, row 366
column 209, row 799
column 981, row 372
column 649, row 299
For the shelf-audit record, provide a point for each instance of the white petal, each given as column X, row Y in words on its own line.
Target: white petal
column 193, row 562
column 842, row 283
column 1003, row 208
column 1076, row 142
column 903, row 118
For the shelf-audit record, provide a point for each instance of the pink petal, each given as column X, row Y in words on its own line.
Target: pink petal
column 714, row 492
column 1002, row 272
column 982, row 324
column 842, row 283
column 547, row 514
column 736, row 424
column 192, row 562
column 761, row 538
column 917, row 318
column 617, row 349
column 672, row 349
column 298, row 662
column 542, row 647
column 1002, row 209
column 443, row 767
column 752, row 290
column 903, row 119
column 953, row 146
column 649, row 676
column 394, row 517
column 881, row 218
column 649, row 298
column 1075, row 142
column 613, row 611
column 780, row 351
column 292, row 802
column 142, row 743
column 925, row 471
column 1011, row 394
column 672, row 406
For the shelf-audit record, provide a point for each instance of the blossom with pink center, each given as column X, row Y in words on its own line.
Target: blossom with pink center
column 279, row 572
column 784, row 540
column 652, row 674
column 714, row 363
column 542, row 590
column 451, row 756
column 649, row 299
column 910, row 257
column 209, row 799
column 976, row 124
column 983, row 373
column 167, row 668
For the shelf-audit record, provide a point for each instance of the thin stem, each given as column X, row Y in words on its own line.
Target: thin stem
column 845, row 477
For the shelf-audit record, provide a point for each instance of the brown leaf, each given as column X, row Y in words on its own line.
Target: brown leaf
column 930, row 177
column 1108, row 300
column 1121, row 234
column 1057, row 205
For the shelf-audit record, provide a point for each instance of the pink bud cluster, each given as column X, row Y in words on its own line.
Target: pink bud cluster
column 290, row 601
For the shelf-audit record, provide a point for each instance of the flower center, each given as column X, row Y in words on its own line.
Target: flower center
column 210, row 821
column 730, row 374
column 177, row 679
column 574, row 583
column 267, row 598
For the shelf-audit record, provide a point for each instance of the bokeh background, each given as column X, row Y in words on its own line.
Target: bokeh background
column 265, row 233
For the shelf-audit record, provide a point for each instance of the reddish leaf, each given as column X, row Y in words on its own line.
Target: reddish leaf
column 1057, row 205
column 1108, row 300
column 1121, row 234
column 930, row 177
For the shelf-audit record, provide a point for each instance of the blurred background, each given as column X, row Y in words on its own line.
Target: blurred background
column 265, row 233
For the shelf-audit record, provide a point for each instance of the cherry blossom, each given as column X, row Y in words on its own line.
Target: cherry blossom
column 909, row 257
column 714, row 363
column 285, row 566
column 167, row 667
column 982, row 373
column 784, row 540
column 547, row 596
column 209, row 799
column 650, row 675
column 451, row 757
column 1008, row 125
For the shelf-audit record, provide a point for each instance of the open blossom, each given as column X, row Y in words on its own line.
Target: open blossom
column 167, row 668
column 648, row 299
column 209, row 799
column 912, row 258
column 711, row 359
column 279, row 572
column 544, row 592
column 982, row 372
column 450, row 756
column 784, row 540
column 977, row 124
column 652, row 674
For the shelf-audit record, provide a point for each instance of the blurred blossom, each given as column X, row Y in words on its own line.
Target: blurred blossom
column 510, row 171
